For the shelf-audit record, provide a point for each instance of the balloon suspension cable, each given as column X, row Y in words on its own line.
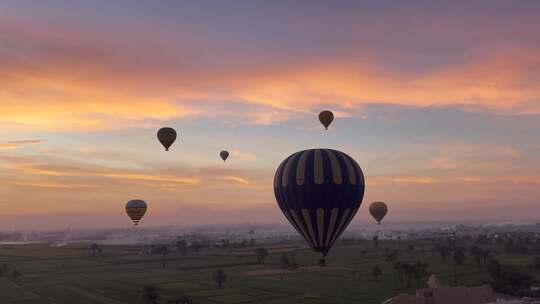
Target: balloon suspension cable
column 322, row 262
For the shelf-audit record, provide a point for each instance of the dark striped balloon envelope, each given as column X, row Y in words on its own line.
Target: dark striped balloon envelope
column 136, row 209
column 319, row 191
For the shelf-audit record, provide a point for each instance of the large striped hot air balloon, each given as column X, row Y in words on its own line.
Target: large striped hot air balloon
column 319, row 191
column 136, row 209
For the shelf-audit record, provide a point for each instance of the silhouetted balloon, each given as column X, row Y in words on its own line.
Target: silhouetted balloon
column 319, row 191
column 166, row 136
column 378, row 210
column 224, row 155
column 135, row 210
column 326, row 118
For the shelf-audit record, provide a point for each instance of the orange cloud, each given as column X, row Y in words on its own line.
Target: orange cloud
column 88, row 88
column 19, row 143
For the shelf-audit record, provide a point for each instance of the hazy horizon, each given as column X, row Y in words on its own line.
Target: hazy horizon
column 437, row 102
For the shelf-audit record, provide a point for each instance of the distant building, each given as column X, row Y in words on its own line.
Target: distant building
column 438, row 294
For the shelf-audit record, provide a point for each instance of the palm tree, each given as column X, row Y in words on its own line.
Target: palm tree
column 95, row 248
column 411, row 249
column 182, row 247
column 262, row 254
column 443, row 251
column 375, row 240
column 15, row 275
column 150, row 294
column 376, row 273
column 459, row 259
column 285, row 262
column 220, row 277
column 486, row 256
column 397, row 268
column 408, row 271
column 164, row 251
column 392, row 257
column 420, row 271
column 4, row 270
column 477, row 254
column 536, row 263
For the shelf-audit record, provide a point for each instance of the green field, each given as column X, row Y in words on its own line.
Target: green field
column 72, row 275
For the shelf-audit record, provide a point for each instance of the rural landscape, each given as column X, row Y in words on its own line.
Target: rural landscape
column 197, row 269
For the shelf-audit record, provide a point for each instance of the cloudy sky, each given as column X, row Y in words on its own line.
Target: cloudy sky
column 439, row 102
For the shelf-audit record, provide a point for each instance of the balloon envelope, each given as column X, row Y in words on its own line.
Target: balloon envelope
column 319, row 191
column 136, row 209
column 378, row 210
column 326, row 118
column 224, row 155
column 166, row 137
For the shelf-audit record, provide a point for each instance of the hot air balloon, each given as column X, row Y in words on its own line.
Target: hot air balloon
column 319, row 191
column 166, row 137
column 378, row 210
column 224, row 155
column 135, row 210
column 326, row 118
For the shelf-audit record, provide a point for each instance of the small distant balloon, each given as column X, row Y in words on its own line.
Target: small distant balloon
column 326, row 118
column 378, row 210
column 136, row 209
column 166, row 137
column 224, row 155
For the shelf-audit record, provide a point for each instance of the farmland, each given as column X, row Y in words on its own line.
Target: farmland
column 72, row 274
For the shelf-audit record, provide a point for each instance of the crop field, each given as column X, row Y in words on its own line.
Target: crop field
column 72, row 275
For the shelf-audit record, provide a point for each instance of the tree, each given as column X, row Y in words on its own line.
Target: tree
column 220, row 277
column 15, row 275
column 150, row 294
column 408, row 271
column 375, row 240
column 477, row 255
column 391, row 257
column 196, row 247
column 376, row 272
column 262, row 254
column 509, row 280
column 459, row 259
column 252, row 242
column 536, row 263
column 294, row 265
column 420, row 271
column 443, row 251
column 164, row 252
column 182, row 247
column 95, row 249
column 481, row 256
column 4, row 270
column 285, row 262
column 411, row 248
column 397, row 268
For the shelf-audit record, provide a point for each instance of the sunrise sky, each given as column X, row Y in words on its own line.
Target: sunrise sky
column 438, row 102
